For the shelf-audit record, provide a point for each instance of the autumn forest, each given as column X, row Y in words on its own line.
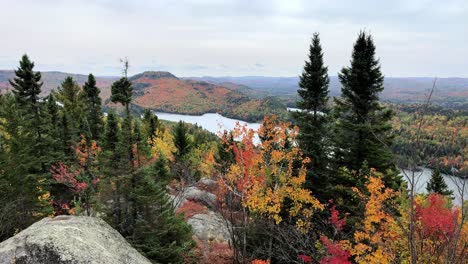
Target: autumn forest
column 333, row 182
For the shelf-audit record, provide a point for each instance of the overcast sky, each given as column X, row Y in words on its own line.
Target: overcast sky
column 232, row 37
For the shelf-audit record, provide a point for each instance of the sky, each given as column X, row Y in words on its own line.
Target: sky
column 414, row 38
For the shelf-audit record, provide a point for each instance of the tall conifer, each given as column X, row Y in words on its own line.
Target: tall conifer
column 93, row 106
column 363, row 124
column 313, row 119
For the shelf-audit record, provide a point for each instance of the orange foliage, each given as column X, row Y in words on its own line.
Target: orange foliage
column 263, row 177
column 191, row 208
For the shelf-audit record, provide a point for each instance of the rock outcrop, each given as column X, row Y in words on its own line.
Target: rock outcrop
column 70, row 240
column 210, row 227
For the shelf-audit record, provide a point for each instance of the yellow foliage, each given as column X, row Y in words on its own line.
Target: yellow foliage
column 374, row 234
column 163, row 144
column 265, row 178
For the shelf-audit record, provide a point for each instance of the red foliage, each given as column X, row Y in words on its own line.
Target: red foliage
column 335, row 218
column 437, row 220
column 260, row 261
column 212, row 252
column 191, row 208
column 62, row 174
column 306, row 259
column 335, row 253
column 61, row 208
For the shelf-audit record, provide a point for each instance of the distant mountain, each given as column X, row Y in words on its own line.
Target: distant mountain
column 53, row 79
column 162, row 91
column 449, row 91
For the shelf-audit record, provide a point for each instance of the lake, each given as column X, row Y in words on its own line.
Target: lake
column 217, row 123
column 212, row 122
column 423, row 176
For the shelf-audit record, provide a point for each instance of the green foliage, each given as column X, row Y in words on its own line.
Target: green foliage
column 313, row 120
column 112, row 131
column 362, row 127
column 151, row 124
column 181, row 139
column 93, row 106
column 70, row 95
column 27, row 84
column 122, row 92
column 160, row 234
column 23, row 177
column 437, row 184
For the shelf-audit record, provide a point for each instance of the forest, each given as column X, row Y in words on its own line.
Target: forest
column 323, row 186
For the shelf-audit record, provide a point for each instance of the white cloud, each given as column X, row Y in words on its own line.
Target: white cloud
column 413, row 38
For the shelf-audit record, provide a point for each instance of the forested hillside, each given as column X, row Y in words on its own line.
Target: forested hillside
column 325, row 187
column 449, row 92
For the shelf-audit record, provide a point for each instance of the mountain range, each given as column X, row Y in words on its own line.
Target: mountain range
column 164, row 92
column 235, row 96
column 451, row 92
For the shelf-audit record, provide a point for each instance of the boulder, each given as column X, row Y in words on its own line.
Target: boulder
column 197, row 195
column 210, row 227
column 70, row 240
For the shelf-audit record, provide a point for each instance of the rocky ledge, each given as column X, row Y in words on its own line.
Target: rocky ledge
column 70, row 240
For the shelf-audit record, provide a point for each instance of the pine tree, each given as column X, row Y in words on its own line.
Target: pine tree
column 160, row 234
column 54, row 130
column 150, row 124
column 23, row 184
column 181, row 140
column 93, row 106
column 313, row 119
column 66, row 136
column 122, row 92
column 112, row 131
column 27, row 85
column 437, row 184
column 70, row 95
column 27, row 88
column 363, row 126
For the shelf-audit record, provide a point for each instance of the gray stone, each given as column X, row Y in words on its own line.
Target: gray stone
column 70, row 240
column 210, row 227
column 197, row 195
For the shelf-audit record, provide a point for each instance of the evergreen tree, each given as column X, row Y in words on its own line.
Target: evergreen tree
column 23, row 183
column 181, row 139
column 150, row 124
column 112, row 131
column 70, row 95
column 93, row 106
column 313, row 119
column 67, row 137
column 437, row 184
column 54, row 130
column 363, row 124
column 122, row 92
column 27, row 88
column 160, row 234
column 27, row 85
column 226, row 155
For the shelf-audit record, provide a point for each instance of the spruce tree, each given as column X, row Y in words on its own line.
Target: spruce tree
column 27, row 88
column 23, row 182
column 93, row 106
column 150, row 124
column 54, row 130
column 111, row 133
column 122, row 92
column 70, row 95
column 160, row 234
column 313, row 119
column 181, row 140
column 27, row 85
column 437, row 184
column 363, row 126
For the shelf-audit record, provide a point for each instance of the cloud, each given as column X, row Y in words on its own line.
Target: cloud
column 234, row 37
